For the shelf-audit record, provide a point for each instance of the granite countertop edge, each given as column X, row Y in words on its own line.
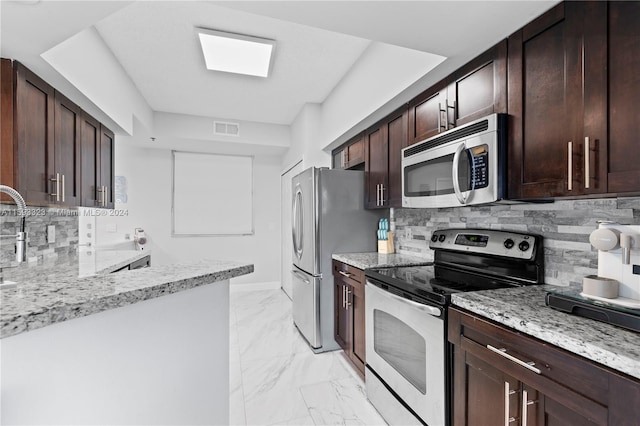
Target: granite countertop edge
column 562, row 333
column 42, row 316
column 368, row 260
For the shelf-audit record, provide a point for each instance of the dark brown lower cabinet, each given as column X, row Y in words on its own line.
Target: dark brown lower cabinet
column 549, row 386
column 349, row 328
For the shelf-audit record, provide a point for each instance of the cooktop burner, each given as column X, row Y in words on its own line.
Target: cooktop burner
column 466, row 260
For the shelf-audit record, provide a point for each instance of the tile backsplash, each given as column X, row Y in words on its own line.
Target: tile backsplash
column 565, row 226
column 38, row 219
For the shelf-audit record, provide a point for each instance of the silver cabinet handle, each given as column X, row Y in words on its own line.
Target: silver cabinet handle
column 346, row 297
column 507, row 406
column 525, row 405
column 382, row 194
column 57, row 181
column 586, row 162
column 439, row 117
column 455, row 171
column 105, row 194
column 570, row 166
column 452, row 124
column 527, row 365
column 302, row 277
column 345, row 274
column 63, row 192
column 431, row 310
column 377, row 194
column 343, row 296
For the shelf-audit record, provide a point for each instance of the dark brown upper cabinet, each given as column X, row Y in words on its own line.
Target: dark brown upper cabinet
column 49, row 146
column 558, row 103
column 477, row 89
column 97, row 164
column 106, row 163
column 621, row 165
column 67, row 140
column 426, row 113
column 383, row 143
column 350, row 155
column 34, row 128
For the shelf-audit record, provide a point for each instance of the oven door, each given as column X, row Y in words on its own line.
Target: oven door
column 461, row 172
column 406, row 350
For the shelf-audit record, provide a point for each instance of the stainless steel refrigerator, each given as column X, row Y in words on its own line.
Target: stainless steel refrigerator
column 328, row 217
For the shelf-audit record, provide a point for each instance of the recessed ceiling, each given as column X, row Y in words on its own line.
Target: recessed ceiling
column 318, row 43
column 156, row 44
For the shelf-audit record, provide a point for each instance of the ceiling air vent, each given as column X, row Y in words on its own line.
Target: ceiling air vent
column 226, row 128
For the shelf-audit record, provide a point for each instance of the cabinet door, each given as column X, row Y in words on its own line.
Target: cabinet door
column 427, row 113
column 106, row 163
column 483, row 394
column 7, row 156
column 550, row 412
column 355, row 152
column 554, row 86
column 341, row 321
column 376, row 168
column 90, row 146
column 395, row 132
column 34, row 127
column 68, row 124
column 624, row 93
column 479, row 88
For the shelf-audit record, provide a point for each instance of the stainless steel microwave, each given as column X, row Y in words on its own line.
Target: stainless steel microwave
column 463, row 166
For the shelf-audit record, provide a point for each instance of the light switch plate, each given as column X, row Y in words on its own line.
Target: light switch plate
column 51, row 234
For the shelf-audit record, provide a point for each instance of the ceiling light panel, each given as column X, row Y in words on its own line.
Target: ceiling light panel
column 236, row 53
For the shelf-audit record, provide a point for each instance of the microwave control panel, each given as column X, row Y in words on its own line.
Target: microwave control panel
column 479, row 166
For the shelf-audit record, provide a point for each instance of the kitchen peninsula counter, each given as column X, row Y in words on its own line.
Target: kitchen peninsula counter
column 61, row 290
column 524, row 309
column 143, row 346
column 378, row 260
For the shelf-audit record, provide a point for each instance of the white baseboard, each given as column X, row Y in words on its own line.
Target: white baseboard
column 271, row 285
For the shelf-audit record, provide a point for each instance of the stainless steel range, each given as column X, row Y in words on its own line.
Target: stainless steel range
column 408, row 357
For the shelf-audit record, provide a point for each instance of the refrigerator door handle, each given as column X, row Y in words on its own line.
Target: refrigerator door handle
column 297, row 223
column 301, row 276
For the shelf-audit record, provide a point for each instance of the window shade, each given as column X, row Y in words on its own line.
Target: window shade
column 212, row 194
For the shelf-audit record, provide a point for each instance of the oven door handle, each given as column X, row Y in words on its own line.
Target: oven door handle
column 455, row 173
column 431, row 310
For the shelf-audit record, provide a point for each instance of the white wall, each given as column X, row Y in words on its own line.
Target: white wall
column 378, row 76
column 305, row 139
column 148, row 174
column 88, row 63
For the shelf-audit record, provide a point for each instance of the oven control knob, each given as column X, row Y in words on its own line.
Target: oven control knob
column 508, row 243
column 434, row 238
column 524, row 246
column 442, row 237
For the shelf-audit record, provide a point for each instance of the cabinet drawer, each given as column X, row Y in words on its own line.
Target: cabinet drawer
column 556, row 365
column 349, row 274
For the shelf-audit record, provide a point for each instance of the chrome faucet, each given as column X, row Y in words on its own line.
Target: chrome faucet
column 21, row 236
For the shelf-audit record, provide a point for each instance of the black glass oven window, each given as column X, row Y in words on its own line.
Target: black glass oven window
column 401, row 347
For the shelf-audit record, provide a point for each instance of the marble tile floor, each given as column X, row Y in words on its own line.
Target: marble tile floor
column 275, row 378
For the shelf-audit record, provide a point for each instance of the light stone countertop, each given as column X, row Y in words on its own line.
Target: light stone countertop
column 524, row 309
column 377, row 260
column 63, row 289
